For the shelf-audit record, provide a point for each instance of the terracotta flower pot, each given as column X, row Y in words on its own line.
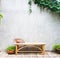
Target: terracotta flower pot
column 11, row 51
column 17, row 40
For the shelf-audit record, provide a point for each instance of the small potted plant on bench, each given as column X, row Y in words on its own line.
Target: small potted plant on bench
column 11, row 50
column 56, row 48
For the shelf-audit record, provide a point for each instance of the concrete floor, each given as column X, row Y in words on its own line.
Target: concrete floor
column 30, row 55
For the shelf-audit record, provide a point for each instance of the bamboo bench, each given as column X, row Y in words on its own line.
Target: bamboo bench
column 40, row 46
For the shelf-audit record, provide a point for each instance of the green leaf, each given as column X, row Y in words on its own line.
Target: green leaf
column 1, row 16
column 30, row 11
column 30, row 2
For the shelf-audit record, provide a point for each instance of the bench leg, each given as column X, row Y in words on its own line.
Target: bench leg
column 16, row 52
column 43, row 49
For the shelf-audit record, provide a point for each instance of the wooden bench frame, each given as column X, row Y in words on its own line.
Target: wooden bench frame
column 42, row 50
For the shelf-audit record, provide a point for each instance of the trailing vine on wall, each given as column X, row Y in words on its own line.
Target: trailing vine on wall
column 52, row 5
column 30, row 4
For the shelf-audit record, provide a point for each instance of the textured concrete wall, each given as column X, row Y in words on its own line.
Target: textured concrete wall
column 39, row 26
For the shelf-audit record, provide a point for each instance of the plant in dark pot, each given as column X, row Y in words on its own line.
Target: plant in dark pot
column 56, row 48
column 10, row 50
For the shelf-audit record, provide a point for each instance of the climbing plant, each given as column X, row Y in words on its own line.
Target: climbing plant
column 52, row 5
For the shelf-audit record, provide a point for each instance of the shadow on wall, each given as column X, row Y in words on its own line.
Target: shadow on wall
column 55, row 24
column 56, row 16
column 53, row 14
column 56, row 20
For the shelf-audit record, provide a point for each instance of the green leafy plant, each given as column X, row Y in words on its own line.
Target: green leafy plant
column 11, row 48
column 57, row 46
column 52, row 5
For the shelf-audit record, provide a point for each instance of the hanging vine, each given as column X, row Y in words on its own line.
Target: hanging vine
column 52, row 5
column 30, row 4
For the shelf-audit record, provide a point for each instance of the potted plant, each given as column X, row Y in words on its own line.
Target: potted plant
column 11, row 50
column 56, row 48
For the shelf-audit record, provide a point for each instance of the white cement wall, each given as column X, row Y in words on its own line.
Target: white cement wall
column 39, row 26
